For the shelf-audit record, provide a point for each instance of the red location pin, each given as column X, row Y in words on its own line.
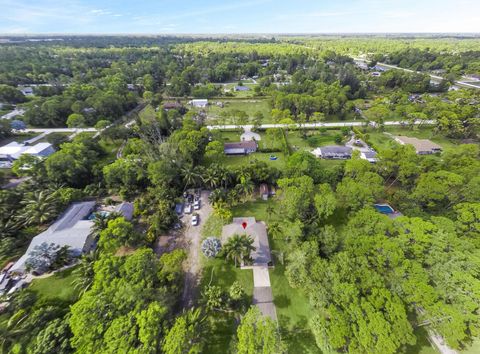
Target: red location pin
column 244, row 225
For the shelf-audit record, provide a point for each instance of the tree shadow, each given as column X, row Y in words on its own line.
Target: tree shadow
column 282, row 301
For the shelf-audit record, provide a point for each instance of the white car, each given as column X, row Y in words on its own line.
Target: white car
column 195, row 220
column 188, row 209
column 196, row 205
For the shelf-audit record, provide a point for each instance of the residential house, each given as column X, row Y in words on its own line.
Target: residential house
column 172, row 105
column 240, row 148
column 12, row 151
column 72, row 229
column 370, row 156
column 241, row 88
column 201, row 103
column 333, row 152
column 27, row 91
column 422, row 146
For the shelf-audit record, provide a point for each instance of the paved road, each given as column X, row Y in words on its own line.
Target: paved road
column 193, row 237
column 315, row 125
column 233, row 126
column 434, row 77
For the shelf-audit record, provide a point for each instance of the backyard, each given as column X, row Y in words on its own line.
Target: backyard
column 56, row 288
column 382, row 140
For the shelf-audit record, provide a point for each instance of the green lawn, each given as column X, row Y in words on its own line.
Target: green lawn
column 257, row 209
column 223, row 326
column 57, row 288
column 148, row 113
column 212, row 227
column 474, row 348
column 259, row 156
column 383, row 141
column 312, row 140
column 293, row 312
column 293, row 309
column 249, row 106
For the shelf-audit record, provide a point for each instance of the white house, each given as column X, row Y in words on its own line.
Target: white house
column 333, row 152
column 72, row 229
column 370, row 156
column 13, row 151
column 199, row 103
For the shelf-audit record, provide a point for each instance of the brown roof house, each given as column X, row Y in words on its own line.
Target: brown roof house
column 241, row 148
column 422, row 146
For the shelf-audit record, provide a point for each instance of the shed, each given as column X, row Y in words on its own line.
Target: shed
column 264, row 191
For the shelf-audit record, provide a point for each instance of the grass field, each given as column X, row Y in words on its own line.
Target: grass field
column 57, row 288
column 222, row 325
column 383, row 141
column 259, row 156
column 256, row 208
column 148, row 113
column 293, row 309
column 249, row 106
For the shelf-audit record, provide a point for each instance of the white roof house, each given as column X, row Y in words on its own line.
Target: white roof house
column 14, row 150
column 199, row 103
column 335, row 152
column 370, row 156
column 72, row 229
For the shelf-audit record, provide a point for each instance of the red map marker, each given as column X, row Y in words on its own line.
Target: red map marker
column 244, row 225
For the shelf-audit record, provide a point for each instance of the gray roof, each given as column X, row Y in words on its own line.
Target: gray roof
column 369, row 154
column 336, row 149
column 71, row 229
column 126, row 209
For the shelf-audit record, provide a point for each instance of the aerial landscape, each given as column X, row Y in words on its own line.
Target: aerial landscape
column 239, row 177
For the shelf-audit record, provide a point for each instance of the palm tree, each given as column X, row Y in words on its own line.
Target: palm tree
column 190, row 176
column 275, row 229
column 38, row 207
column 217, row 195
column 270, row 210
column 84, row 273
column 212, row 177
column 238, row 248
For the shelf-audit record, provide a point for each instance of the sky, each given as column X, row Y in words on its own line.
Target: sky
column 242, row 16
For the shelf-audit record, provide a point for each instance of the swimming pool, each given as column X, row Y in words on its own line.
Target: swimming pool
column 102, row 212
column 384, row 208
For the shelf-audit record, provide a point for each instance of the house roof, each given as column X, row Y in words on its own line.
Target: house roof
column 171, row 105
column 40, row 149
column 419, row 144
column 251, row 145
column 336, row 149
column 14, row 150
column 71, row 229
column 126, row 209
column 369, row 154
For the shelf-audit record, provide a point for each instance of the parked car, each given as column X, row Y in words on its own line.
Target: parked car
column 195, row 220
column 196, row 204
column 188, row 209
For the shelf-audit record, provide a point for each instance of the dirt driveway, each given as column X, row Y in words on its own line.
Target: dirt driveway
column 193, row 240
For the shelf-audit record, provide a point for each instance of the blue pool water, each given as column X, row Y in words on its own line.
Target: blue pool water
column 92, row 215
column 384, row 208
